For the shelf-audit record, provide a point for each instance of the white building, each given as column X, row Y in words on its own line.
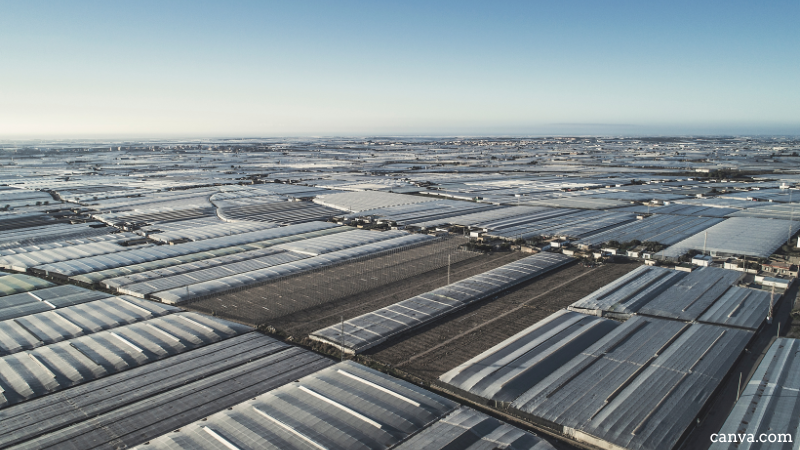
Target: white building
column 702, row 260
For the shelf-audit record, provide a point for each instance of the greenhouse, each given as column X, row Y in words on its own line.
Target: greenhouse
column 189, row 386
column 140, row 255
column 572, row 225
column 346, row 405
column 13, row 284
column 49, row 368
column 740, row 236
column 210, row 231
column 93, row 278
column 361, row 201
column 255, row 277
column 23, row 261
column 368, row 330
column 663, row 229
column 46, row 299
column 163, row 283
column 34, row 330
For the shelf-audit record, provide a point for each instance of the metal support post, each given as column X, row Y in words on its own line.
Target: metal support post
column 739, row 389
column 342, row 334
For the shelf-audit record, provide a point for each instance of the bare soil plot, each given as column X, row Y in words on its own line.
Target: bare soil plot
column 432, row 350
column 366, row 284
column 305, row 322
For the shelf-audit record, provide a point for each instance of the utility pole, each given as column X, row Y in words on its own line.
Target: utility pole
column 771, row 303
column 791, row 219
column 705, row 238
column 342, row 335
column 448, row 269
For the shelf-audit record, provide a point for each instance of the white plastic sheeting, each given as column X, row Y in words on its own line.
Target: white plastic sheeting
column 211, row 257
column 345, row 406
column 13, row 284
column 188, row 267
column 52, row 326
column 361, row 201
column 42, row 370
column 510, row 368
column 740, row 307
column 24, row 261
column 240, row 281
column 467, row 429
column 143, row 288
column 769, row 402
column 211, row 231
column 340, row 241
column 664, row 229
column 423, row 214
column 369, row 330
column 656, row 291
column 564, row 223
column 747, row 236
column 49, row 298
column 50, row 233
column 38, row 246
column 140, row 255
column 638, row 385
column 785, row 211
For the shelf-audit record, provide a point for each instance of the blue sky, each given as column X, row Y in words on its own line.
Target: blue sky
column 172, row 68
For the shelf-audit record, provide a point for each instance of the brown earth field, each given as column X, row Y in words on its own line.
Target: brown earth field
column 304, row 322
column 303, row 296
column 432, row 350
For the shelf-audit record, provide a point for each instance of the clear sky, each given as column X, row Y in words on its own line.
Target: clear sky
column 230, row 68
